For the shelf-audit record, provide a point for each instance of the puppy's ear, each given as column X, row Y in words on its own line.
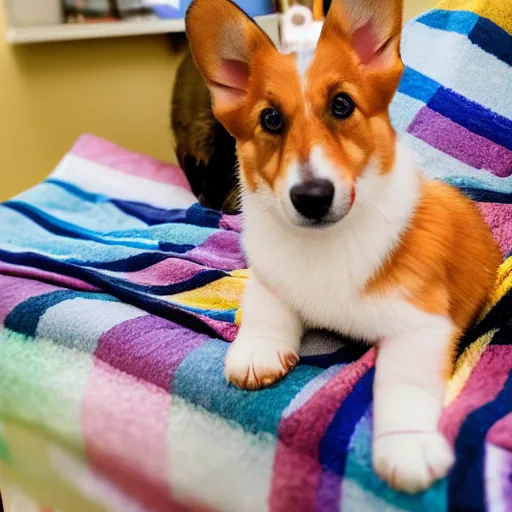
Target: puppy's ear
column 225, row 43
column 372, row 28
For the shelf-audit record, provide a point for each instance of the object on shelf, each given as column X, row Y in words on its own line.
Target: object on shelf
column 135, row 10
column 167, row 9
column 256, row 7
column 27, row 13
column 299, row 30
column 85, row 11
column 319, row 8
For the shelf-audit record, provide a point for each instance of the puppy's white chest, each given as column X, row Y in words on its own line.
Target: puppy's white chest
column 326, row 291
column 322, row 275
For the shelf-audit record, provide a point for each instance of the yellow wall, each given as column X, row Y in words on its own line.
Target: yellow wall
column 51, row 93
column 115, row 88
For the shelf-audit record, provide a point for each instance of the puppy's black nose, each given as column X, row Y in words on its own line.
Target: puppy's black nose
column 313, row 198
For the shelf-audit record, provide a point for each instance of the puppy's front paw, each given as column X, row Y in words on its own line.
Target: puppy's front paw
column 412, row 462
column 258, row 363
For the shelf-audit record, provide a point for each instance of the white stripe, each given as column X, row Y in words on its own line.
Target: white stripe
column 96, row 317
column 216, row 462
column 307, row 392
column 90, row 484
column 497, row 479
column 455, row 62
column 403, row 110
column 99, row 179
column 439, row 165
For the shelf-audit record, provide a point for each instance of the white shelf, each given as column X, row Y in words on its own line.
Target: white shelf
column 69, row 32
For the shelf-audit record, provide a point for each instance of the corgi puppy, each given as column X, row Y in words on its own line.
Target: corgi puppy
column 340, row 229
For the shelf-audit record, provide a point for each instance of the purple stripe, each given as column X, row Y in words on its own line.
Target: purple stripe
column 166, row 272
column 226, row 330
column 44, row 275
column 16, row 290
column 221, row 251
column 149, row 347
column 231, row 222
column 460, row 143
column 329, row 491
column 499, row 217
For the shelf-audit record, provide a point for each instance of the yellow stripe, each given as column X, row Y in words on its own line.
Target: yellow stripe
column 221, row 295
column 465, row 364
column 498, row 11
column 470, row 357
column 242, row 273
column 31, row 469
column 502, row 286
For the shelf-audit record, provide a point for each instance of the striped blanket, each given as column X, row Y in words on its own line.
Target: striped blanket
column 120, row 295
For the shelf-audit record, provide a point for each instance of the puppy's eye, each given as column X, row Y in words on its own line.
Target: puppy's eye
column 342, row 106
column 271, row 120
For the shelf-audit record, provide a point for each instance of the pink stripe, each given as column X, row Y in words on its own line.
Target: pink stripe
column 120, row 159
column 50, row 277
column 16, row 290
column 484, row 384
column 148, row 347
column 499, row 217
column 221, row 251
column 501, row 433
column 231, row 222
column 124, row 423
column 296, row 469
column 226, row 330
column 169, row 271
column 454, row 140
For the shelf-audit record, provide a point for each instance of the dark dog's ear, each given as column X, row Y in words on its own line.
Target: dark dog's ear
column 224, row 42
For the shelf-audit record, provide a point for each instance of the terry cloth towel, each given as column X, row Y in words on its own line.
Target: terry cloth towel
column 119, row 297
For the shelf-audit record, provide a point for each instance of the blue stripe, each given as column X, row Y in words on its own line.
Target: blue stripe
column 87, row 196
column 255, row 411
column 196, row 215
column 348, row 353
column 486, row 196
column 472, row 116
column 466, row 485
column 418, row 86
column 497, row 318
column 24, row 318
column 61, row 228
column 215, row 314
column 115, row 287
column 493, row 39
column 149, row 214
column 461, row 22
column 201, row 216
column 130, row 264
column 333, row 449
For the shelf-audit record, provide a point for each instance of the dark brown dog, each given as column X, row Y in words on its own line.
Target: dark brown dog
column 205, row 150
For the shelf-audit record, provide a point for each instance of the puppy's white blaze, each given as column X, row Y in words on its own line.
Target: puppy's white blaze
column 293, row 177
column 303, row 59
column 323, row 168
